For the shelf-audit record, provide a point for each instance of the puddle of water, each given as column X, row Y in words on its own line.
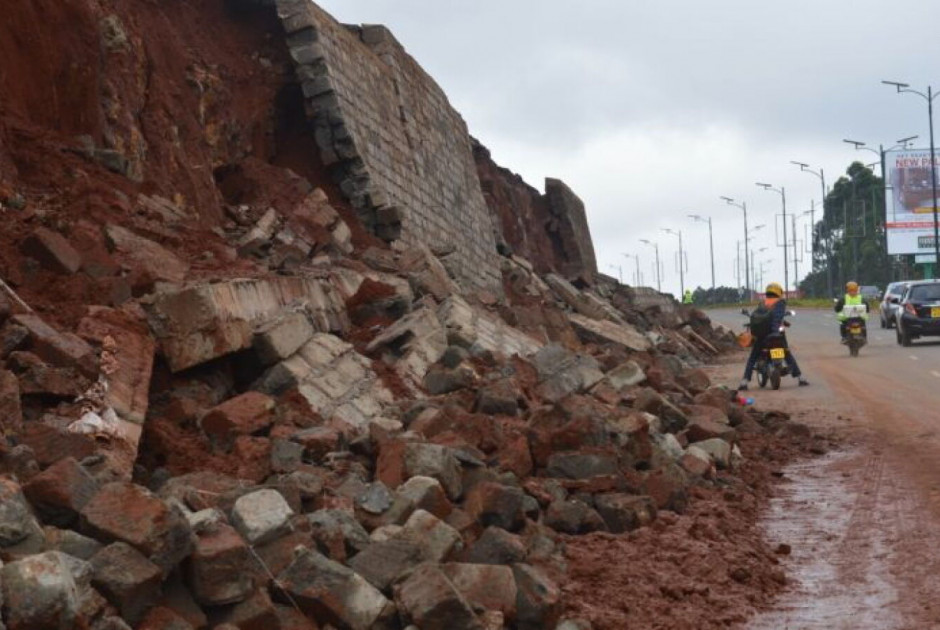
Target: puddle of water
column 838, row 572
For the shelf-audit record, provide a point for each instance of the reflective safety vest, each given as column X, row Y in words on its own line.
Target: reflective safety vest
column 687, row 298
column 849, row 301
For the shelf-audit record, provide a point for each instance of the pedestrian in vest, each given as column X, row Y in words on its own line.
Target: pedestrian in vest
column 851, row 297
column 687, row 297
column 774, row 304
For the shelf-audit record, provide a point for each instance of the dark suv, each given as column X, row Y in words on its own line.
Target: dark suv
column 919, row 311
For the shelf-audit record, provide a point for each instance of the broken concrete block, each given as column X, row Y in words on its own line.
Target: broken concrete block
column 538, row 601
column 581, row 465
column 468, row 327
column 203, row 322
column 718, row 449
column 608, row 332
column 218, row 567
column 492, row 503
column 144, row 255
column 485, row 586
column 432, row 602
column 573, row 517
column 496, row 546
column 399, row 461
column 60, row 491
column 333, row 593
column 338, row 531
column 61, row 349
column 245, row 414
column 437, row 537
column 127, row 512
column 413, row 343
column 52, row 251
column 261, row 516
column 280, row 338
column 383, row 562
column 39, row 592
column 625, row 512
column 20, row 533
column 129, row 580
column 562, row 372
column 625, row 375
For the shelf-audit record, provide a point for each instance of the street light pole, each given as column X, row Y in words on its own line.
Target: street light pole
column 822, row 179
column 711, row 242
column 636, row 257
column 860, row 146
column 681, row 259
column 929, row 96
column 747, row 267
column 786, row 264
column 659, row 286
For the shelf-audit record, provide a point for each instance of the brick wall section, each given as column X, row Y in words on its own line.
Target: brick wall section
column 401, row 153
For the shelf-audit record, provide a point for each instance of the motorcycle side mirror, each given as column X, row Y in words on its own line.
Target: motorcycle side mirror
column 894, row 300
column 791, row 313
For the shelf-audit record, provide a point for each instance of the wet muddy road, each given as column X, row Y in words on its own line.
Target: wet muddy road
column 863, row 523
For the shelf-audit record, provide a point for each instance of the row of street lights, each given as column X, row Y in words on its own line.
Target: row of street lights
column 805, row 168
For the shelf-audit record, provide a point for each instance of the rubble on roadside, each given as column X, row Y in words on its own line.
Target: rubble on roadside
column 276, row 468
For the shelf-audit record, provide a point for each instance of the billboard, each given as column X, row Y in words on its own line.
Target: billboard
column 909, row 201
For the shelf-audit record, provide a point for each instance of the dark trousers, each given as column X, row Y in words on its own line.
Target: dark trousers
column 755, row 354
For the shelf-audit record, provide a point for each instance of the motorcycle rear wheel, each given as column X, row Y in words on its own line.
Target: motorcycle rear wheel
column 762, row 377
column 775, row 377
column 853, row 348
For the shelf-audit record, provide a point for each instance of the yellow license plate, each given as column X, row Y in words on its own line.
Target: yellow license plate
column 935, row 312
column 777, row 353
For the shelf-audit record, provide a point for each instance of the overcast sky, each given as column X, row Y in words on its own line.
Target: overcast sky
column 650, row 111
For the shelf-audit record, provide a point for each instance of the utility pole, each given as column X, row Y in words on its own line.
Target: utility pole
column 747, row 268
column 711, row 242
column 786, row 267
column 681, row 259
column 929, row 96
column 659, row 286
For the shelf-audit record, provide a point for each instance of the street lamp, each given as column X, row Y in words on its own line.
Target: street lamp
column 659, row 286
column 822, row 178
column 929, row 96
column 681, row 259
column 747, row 266
column 860, row 146
column 786, row 266
column 711, row 243
column 636, row 257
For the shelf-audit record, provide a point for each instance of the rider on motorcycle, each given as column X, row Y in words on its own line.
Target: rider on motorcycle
column 774, row 302
column 851, row 297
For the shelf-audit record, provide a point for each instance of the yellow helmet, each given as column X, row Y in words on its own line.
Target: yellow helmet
column 774, row 288
column 851, row 286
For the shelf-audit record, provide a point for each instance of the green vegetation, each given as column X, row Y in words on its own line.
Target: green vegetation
column 850, row 238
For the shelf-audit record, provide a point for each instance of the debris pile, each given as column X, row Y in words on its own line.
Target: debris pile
column 355, row 443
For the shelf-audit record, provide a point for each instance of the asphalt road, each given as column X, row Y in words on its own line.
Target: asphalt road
column 863, row 521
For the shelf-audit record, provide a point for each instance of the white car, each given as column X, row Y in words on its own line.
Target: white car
column 888, row 310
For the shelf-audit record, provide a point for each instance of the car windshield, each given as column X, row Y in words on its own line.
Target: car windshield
column 926, row 293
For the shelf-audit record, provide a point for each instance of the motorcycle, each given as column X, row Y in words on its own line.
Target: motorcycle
column 771, row 364
column 856, row 330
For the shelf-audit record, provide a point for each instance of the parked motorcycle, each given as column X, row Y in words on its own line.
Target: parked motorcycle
column 771, row 364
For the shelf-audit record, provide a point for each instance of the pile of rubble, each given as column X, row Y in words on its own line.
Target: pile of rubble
column 335, row 441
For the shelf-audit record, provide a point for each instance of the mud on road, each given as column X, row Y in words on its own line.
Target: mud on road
column 862, row 522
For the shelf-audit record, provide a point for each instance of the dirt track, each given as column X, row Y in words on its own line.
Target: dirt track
column 864, row 522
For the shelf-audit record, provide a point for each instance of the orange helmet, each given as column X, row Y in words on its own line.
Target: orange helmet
column 851, row 286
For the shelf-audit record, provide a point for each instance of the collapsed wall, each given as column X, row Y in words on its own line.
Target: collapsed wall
column 550, row 230
column 399, row 150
